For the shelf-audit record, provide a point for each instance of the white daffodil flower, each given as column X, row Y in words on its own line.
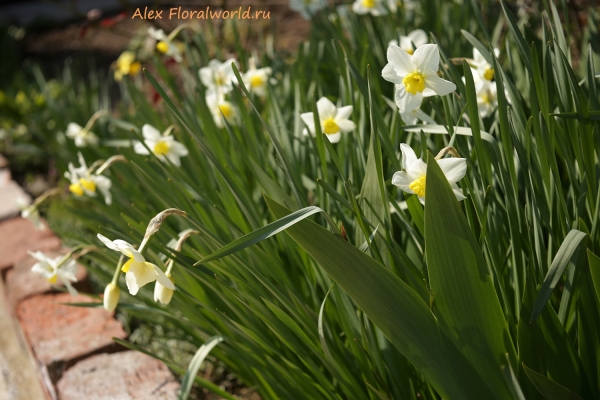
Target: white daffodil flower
column 412, row 179
column 54, row 268
column 163, row 294
column 484, row 70
column 374, row 7
column 256, row 80
column 111, row 296
column 333, row 120
column 218, row 76
column 85, row 183
column 412, row 41
column 83, row 137
column 138, row 272
column 222, row 110
column 415, row 75
column 164, row 44
column 307, row 8
column 162, row 146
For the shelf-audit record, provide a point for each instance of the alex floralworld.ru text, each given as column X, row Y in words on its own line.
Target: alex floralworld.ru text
column 178, row 13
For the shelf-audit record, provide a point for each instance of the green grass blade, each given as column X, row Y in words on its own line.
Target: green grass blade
column 565, row 253
column 195, row 363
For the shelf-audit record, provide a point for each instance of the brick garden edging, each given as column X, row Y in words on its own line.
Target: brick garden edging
column 54, row 351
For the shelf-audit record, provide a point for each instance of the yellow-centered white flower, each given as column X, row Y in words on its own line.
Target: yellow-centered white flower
column 484, row 69
column 111, row 296
column 54, row 268
column 415, row 75
column 374, row 7
column 164, row 44
column 85, row 183
column 222, row 109
column 138, row 272
column 82, row 136
column 412, row 41
column 256, row 80
column 218, row 76
column 162, row 146
column 413, row 179
column 333, row 120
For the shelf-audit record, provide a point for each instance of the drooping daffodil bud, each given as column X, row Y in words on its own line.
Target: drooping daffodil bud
column 111, row 296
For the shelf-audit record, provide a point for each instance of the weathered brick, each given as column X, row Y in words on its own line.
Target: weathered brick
column 10, row 192
column 127, row 375
column 60, row 335
column 21, row 283
column 19, row 235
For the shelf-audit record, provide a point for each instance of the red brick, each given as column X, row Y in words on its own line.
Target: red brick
column 127, row 375
column 60, row 335
column 19, row 235
column 21, row 282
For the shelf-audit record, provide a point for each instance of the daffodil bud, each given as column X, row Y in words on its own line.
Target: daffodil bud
column 163, row 294
column 157, row 221
column 111, row 296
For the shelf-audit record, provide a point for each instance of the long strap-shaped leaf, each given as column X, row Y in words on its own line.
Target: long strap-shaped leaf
column 565, row 253
column 400, row 313
column 194, row 367
column 548, row 388
column 465, row 299
column 266, row 232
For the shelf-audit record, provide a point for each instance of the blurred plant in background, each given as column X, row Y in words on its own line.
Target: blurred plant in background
column 368, row 293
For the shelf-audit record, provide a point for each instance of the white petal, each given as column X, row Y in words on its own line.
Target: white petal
column 403, row 180
column 334, row 137
column 179, row 149
column 420, row 114
column 109, row 243
column 454, row 168
column 407, row 102
column 477, row 56
column 346, row 125
column 80, row 141
column 389, row 74
column 150, row 132
column 417, row 168
column 440, row 86
column 73, row 130
column 457, row 192
column 326, row 108
column 427, row 57
column 139, row 148
column 139, row 274
column 162, row 278
column 358, row 8
column 174, row 158
column 308, row 119
column 402, row 62
column 408, row 155
column 343, row 113
column 410, row 118
column 418, row 37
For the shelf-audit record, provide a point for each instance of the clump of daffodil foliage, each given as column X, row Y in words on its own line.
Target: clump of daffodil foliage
column 407, row 207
